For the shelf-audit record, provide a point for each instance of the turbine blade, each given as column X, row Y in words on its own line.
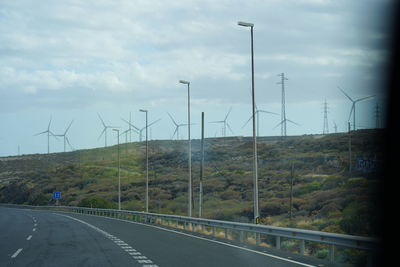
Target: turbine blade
column 176, row 130
column 278, row 125
column 364, row 98
column 269, row 112
column 101, row 134
column 153, row 123
column 48, row 127
column 70, row 146
column 68, row 127
column 40, row 133
column 55, row 136
column 293, row 122
column 346, row 94
column 172, row 119
column 101, row 120
column 226, row 117
column 247, row 122
column 136, row 128
column 229, row 127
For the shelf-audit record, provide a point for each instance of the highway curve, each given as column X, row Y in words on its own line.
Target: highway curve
column 68, row 239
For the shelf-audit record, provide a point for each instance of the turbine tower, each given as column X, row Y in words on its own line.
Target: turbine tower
column 335, row 126
column 258, row 118
column 325, row 127
column 48, row 135
column 65, row 137
column 176, row 127
column 225, row 123
column 105, row 127
column 353, row 106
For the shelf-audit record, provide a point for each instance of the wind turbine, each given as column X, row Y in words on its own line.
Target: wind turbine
column 176, row 127
column 65, row 136
column 142, row 129
column 225, row 124
column 48, row 135
column 258, row 118
column 104, row 130
column 130, row 129
column 284, row 122
column 353, row 106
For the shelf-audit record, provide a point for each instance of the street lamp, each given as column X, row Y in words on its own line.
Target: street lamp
column 147, row 165
column 190, row 151
column 119, row 173
column 255, row 167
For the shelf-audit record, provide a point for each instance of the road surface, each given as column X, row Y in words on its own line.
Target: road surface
column 47, row 238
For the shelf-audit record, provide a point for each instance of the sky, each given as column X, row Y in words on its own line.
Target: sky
column 72, row 60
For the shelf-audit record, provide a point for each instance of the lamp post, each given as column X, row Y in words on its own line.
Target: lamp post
column 147, row 164
column 255, row 167
column 119, row 173
column 190, row 151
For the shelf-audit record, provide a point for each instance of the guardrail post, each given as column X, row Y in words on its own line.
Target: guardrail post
column 226, row 233
column 331, row 253
column 241, row 236
column 257, row 239
column 278, row 242
column 302, row 246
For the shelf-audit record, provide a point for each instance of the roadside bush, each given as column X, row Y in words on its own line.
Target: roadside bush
column 96, row 202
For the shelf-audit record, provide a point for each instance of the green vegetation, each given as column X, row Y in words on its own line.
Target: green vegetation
column 326, row 196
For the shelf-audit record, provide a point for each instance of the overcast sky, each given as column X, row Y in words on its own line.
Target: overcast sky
column 70, row 60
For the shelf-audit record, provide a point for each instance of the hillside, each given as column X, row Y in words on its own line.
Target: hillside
column 326, row 196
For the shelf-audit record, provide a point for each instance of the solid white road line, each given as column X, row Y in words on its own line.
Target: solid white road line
column 213, row 241
column 16, row 253
column 116, row 241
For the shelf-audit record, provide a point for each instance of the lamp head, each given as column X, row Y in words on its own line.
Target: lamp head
column 184, row 82
column 245, row 24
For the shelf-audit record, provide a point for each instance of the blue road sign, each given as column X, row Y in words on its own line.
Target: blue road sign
column 57, row 195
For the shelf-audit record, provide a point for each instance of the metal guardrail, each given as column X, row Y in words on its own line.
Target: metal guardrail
column 190, row 224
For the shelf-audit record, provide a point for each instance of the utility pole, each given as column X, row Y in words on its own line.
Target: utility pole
column 291, row 192
column 283, row 105
column 201, row 166
column 325, row 127
column 119, row 172
column 147, row 161
column 190, row 201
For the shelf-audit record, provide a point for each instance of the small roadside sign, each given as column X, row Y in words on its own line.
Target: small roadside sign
column 57, row 195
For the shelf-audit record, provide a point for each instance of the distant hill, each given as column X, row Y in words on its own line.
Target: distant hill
column 325, row 195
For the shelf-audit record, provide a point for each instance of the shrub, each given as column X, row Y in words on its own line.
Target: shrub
column 96, row 202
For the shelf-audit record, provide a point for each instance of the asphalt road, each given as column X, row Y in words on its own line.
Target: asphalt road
column 45, row 238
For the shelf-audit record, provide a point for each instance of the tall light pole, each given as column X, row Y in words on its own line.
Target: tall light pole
column 190, row 151
column 255, row 167
column 119, row 173
column 147, row 164
column 201, row 167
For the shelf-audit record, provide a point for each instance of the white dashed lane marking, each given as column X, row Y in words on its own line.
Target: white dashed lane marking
column 16, row 253
column 132, row 252
column 29, row 237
